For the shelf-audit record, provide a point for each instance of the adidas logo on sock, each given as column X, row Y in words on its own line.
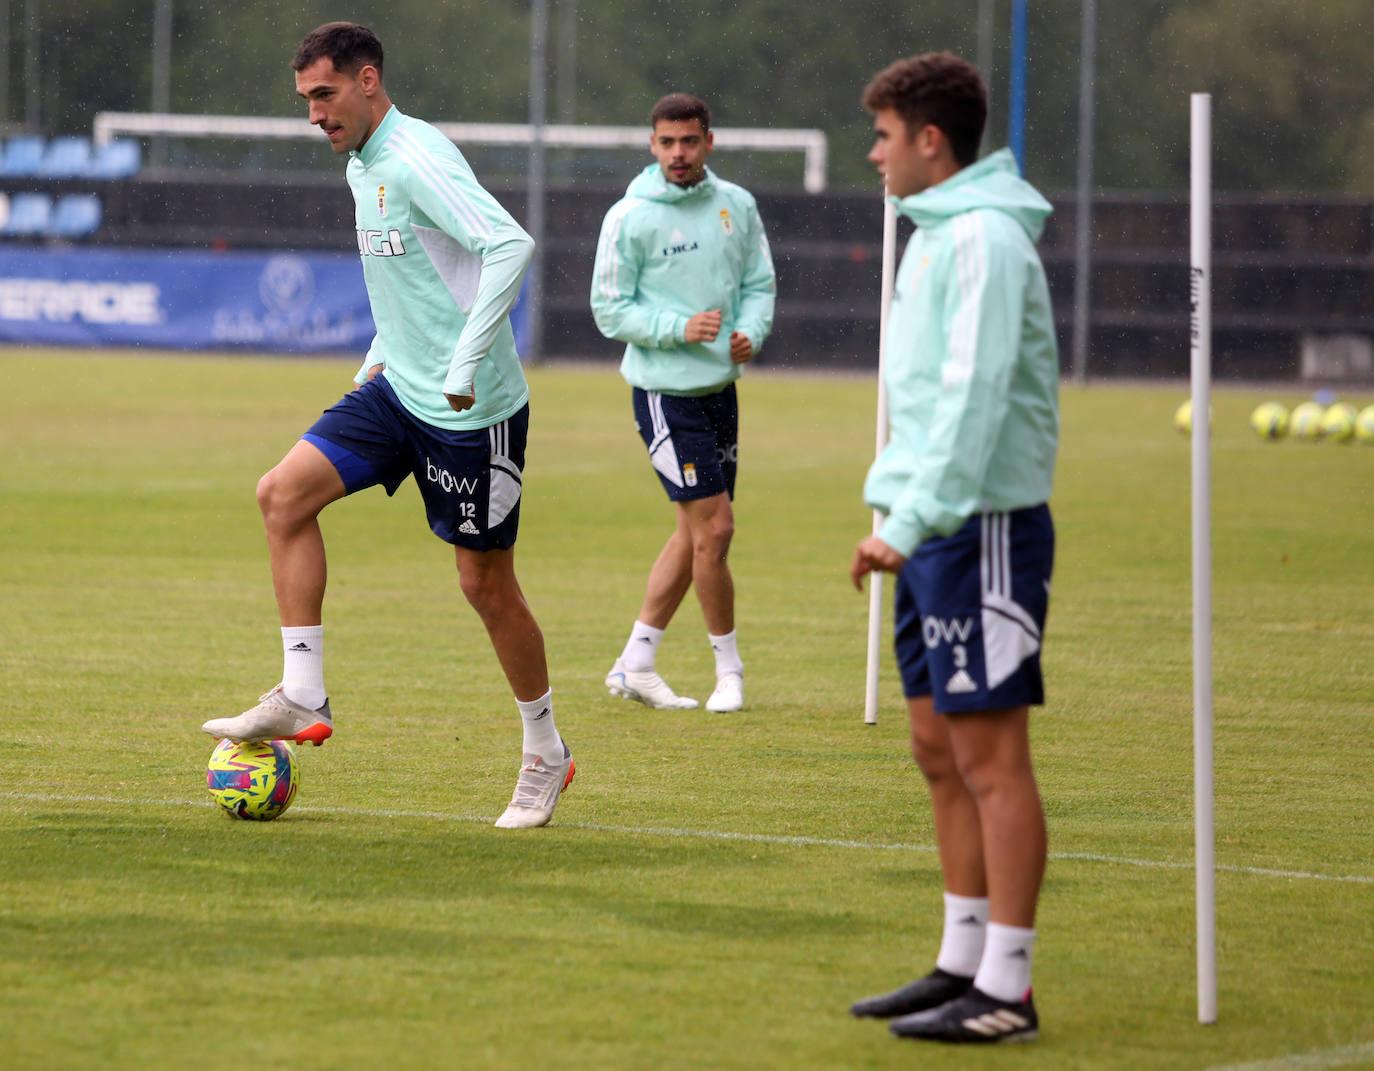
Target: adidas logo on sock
column 970, row 920
column 468, row 528
column 302, row 646
column 961, row 683
column 645, row 639
column 1020, row 953
column 541, row 714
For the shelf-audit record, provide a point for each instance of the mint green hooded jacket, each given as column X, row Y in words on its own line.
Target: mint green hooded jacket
column 667, row 253
column 443, row 262
column 971, row 367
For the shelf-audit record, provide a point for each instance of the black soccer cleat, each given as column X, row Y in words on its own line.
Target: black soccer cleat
column 936, row 988
column 975, row 1017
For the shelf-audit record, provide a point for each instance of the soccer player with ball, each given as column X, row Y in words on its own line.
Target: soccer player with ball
column 441, row 396
column 684, row 278
column 972, row 376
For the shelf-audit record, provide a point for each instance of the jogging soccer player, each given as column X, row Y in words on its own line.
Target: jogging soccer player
column 441, row 396
column 972, row 375
column 684, row 278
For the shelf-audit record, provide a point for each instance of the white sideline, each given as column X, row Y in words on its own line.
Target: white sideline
column 1307, row 1061
column 711, row 834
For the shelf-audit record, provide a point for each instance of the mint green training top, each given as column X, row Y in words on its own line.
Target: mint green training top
column 668, row 252
column 443, row 263
column 971, row 366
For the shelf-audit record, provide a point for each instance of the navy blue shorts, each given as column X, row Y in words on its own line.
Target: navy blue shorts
column 971, row 613
column 470, row 480
column 693, row 440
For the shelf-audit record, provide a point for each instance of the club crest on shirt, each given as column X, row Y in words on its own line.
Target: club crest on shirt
column 726, row 223
column 381, row 200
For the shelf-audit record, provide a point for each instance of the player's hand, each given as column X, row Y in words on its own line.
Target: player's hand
column 372, row 373
column 741, row 349
column 872, row 555
column 704, row 326
column 459, row 402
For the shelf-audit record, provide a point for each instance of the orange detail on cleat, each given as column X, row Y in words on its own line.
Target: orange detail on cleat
column 317, row 734
column 572, row 769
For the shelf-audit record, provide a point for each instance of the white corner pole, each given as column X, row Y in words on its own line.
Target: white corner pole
column 875, row 580
column 1201, row 328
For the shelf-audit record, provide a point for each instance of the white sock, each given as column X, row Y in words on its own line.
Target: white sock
column 638, row 656
column 1005, row 972
column 302, row 674
column 541, row 736
column 727, row 654
column 966, row 921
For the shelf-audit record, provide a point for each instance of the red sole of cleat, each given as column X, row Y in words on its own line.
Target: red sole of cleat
column 572, row 769
column 317, row 734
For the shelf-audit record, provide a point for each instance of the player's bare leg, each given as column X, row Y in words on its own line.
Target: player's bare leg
column 992, row 750
column 711, row 522
column 291, row 497
column 958, row 836
column 489, row 583
column 633, row 676
column 670, row 577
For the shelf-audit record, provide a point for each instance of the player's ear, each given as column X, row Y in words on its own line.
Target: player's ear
column 369, row 79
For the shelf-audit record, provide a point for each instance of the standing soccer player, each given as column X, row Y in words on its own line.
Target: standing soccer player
column 685, row 279
column 441, row 396
column 972, row 375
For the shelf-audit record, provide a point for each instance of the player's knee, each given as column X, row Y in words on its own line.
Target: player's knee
column 934, row 759
column 486, row 591
column 713, row 538
column 283, row 506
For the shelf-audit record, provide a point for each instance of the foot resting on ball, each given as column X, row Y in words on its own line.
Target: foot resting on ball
column 276, row 718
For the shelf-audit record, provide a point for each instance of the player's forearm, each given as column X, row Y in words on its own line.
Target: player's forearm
column 503, row 270
column 639, row 325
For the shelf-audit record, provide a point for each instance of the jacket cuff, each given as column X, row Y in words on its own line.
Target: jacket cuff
column 901, row 535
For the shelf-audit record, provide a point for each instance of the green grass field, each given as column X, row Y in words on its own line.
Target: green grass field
column 715, row 889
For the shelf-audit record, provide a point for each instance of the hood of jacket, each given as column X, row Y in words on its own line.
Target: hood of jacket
column 994, row 182
column 652, row 185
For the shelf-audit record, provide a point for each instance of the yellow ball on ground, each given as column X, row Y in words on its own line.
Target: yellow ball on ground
column 1270, row 421
column 1305, row 422
column 1338, row 423
column 1183, row 417
column 1364, row 425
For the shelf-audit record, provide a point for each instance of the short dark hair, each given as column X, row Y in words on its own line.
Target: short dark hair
column 681, row 108
column 938, row 89
column 348, row 45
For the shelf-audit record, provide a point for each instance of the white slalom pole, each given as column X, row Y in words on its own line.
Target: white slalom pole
column 875, row 580
column 1201, row 302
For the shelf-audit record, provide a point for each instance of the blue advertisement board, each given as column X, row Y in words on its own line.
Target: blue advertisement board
column 188, row 300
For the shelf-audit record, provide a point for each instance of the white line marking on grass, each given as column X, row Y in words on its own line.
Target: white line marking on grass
column 712, row 834
column 1307, row 1061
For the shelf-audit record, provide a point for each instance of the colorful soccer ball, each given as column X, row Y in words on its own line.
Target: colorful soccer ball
column 1305, row 422
column 1270, row 421
column 253, row 781
column 1338, row 424
column 1364, row 425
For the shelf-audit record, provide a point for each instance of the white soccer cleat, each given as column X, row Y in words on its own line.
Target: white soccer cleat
column 729, row 694
column 276, row 718
column 646, row 687
column 536, row 791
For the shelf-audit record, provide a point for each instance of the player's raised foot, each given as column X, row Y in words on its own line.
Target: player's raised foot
column 975, row 1018
column 729, row 694
column 537, row 790
column 646, row 687
column 936, row 988
column 276, row 718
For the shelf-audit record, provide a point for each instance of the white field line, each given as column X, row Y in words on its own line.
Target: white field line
column 709, row 834
column 1308, row 1061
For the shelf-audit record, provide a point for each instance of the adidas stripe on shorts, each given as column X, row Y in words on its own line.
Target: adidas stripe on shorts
column 470, row 480
column 971, row 613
